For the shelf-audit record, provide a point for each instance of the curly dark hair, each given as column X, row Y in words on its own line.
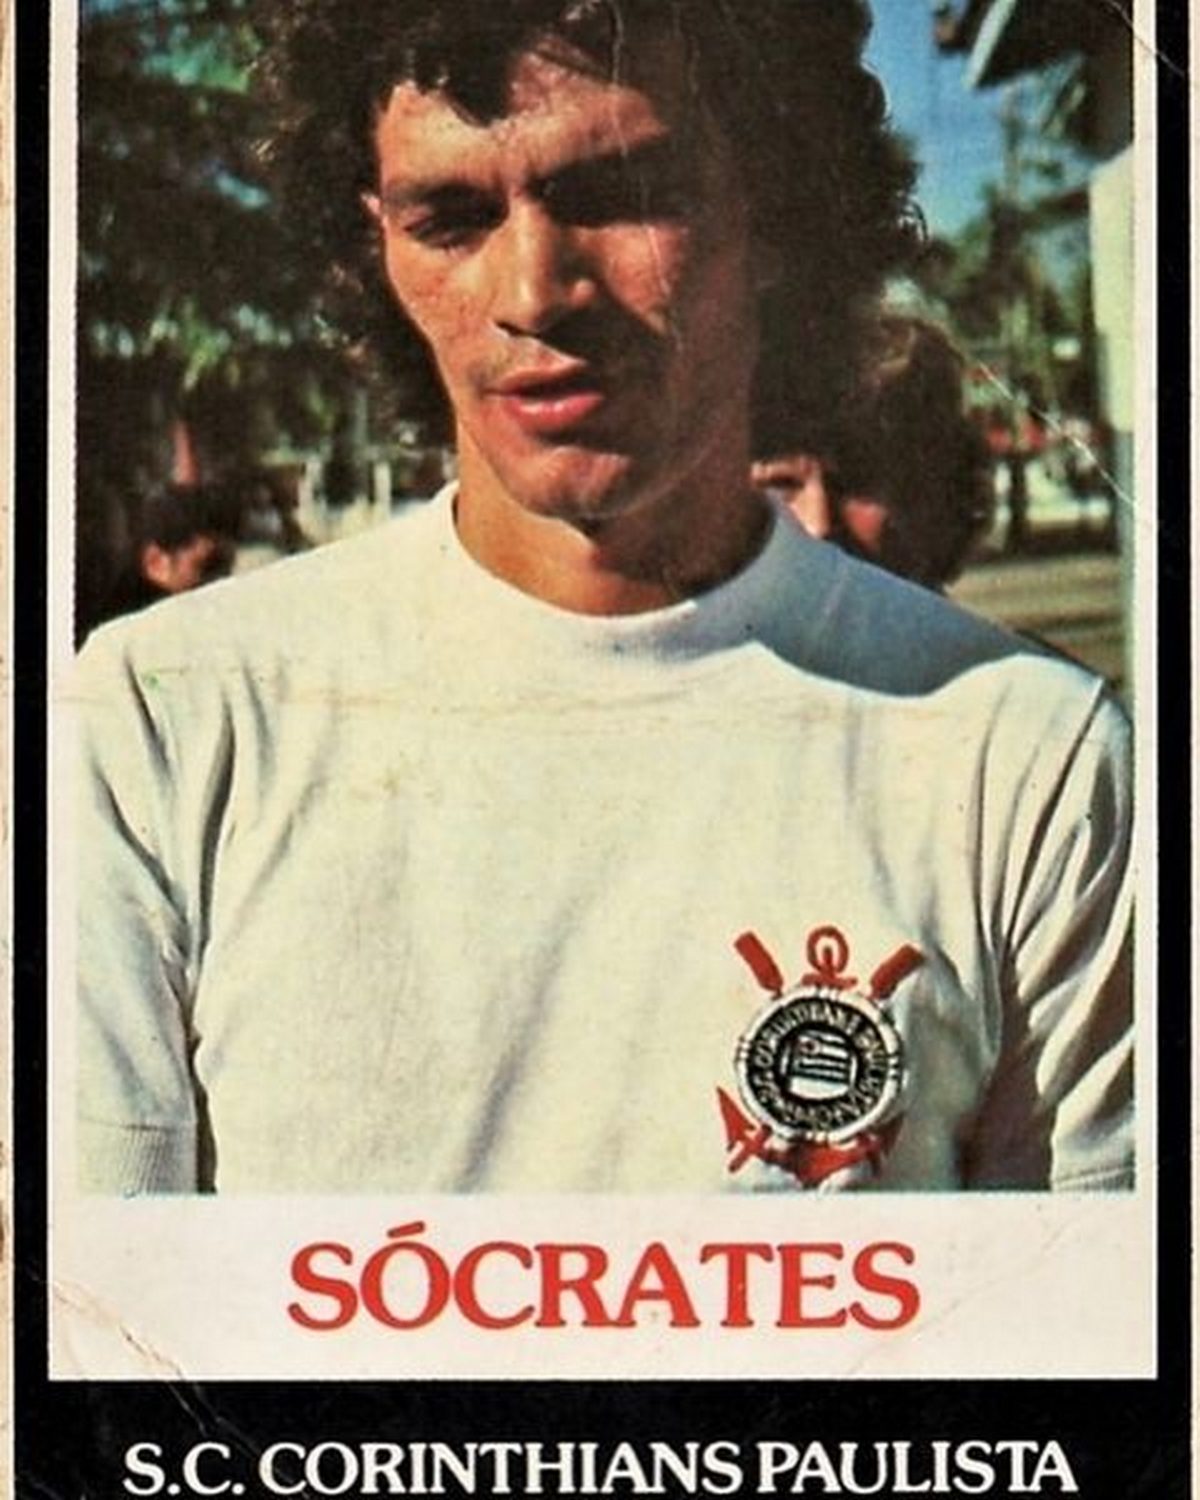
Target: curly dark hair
column 905, row 440
column 828, row 183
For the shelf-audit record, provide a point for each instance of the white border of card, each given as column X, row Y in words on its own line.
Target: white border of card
column 1008, row 1285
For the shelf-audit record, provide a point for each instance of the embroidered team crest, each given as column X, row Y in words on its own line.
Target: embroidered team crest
column 820, row 1067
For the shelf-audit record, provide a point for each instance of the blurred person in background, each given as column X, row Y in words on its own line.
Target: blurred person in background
column 901, row 476
column 183, row 537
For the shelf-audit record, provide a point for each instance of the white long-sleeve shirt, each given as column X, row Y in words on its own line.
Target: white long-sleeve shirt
column 394, row 878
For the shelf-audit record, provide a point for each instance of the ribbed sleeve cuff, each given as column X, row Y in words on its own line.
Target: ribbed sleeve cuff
column 129, row 1159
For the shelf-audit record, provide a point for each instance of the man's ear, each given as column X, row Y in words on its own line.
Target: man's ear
column 374, row 208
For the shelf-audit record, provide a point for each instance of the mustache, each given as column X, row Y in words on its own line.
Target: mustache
column 605, row 344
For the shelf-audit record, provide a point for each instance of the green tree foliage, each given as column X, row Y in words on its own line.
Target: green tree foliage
column 190, row 307
column 1014, row 277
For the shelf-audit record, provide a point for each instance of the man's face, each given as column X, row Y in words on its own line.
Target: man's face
column 581, row 270
column 799, row 480
column 199, row 560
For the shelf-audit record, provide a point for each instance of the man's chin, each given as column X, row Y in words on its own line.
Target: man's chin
column 582, row 491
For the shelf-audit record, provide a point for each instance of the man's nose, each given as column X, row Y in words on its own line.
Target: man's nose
column 541, row 272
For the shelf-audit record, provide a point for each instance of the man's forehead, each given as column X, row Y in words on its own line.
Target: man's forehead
column 555, row 100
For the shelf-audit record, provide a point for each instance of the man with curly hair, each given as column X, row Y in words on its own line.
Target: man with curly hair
column 902, row 476
column 593, row 829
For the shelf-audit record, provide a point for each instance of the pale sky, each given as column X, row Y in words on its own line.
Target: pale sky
column 954, row 128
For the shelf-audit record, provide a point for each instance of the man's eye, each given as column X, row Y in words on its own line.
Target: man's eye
column 451, row 226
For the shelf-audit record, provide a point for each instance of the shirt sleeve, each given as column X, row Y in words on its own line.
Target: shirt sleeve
column 1059, row 1111
column 137, row 1111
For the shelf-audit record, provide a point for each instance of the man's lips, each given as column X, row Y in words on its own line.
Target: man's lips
column 547, row 402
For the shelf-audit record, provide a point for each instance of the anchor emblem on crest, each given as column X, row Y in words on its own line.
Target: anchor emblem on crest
column 821, row 1066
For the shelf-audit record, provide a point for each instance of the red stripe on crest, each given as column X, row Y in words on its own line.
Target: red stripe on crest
column 892, row 970
column 742, row 1136
column 762, row 965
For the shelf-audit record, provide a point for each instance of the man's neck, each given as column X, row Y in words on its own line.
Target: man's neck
column 647, row 558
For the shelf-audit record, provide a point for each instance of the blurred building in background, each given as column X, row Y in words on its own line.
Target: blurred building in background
column 1083, row 52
